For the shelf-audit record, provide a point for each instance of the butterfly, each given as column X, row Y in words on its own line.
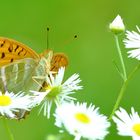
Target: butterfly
column 19, row 63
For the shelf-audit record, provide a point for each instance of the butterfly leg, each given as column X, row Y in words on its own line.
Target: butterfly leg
column 38, row 77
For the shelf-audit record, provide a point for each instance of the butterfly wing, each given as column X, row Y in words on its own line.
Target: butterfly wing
column 17, row 76
column 11, row 50
column 54, row 61
column 58, row 60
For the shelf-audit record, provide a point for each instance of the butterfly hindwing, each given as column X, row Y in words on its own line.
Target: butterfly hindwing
column 14, row 77
column 58, row 60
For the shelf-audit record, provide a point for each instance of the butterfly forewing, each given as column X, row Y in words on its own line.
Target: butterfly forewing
column 11, row 50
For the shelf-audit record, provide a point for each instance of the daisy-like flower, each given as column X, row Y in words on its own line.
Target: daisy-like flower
column 132, row 41
column 57, row 91
column 11, row 103
column 117, row 25
column 128, row 124
column 82, row 121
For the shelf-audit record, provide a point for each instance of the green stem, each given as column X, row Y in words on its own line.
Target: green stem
column 10, row 135
column 122, row 90
column 121, row 58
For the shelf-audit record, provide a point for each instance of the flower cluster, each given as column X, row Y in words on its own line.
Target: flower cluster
column 76, row 118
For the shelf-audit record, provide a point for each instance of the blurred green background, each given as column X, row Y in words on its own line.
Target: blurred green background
column 90, row 55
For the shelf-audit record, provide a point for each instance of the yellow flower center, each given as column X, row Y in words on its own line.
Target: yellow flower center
column 81, row 117
column 54, row 91
column 5, row 100
column 136, row 128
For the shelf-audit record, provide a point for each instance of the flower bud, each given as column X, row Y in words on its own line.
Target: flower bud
column 117, row 25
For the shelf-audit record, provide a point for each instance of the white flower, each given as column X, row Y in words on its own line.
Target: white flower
column 82, row 121
column 128, row 124
column 57, row 91
column 117, row 25
column 132, row 41
column 11, row 103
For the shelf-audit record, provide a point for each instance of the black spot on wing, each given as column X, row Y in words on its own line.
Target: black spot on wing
column 1, row 45
column 2, row 55
column 16, row 48
column 10, row 49
column 20, row 52
column 11, row 60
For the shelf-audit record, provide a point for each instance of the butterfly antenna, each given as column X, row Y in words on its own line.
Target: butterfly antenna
column 68, row 41
column 48, row 37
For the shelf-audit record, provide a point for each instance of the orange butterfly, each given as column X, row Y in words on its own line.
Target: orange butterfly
column 11, row 50
column 18, row 62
